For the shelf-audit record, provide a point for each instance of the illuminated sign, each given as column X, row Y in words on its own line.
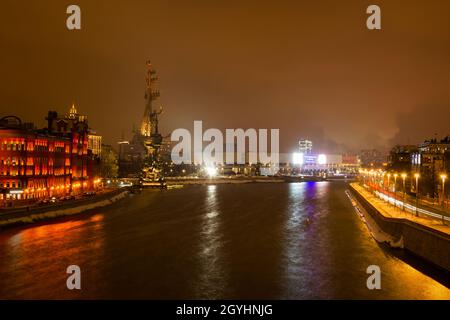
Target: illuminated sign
column 310, row 159
column 297, row 158
column 15, row 191
column 322, row 159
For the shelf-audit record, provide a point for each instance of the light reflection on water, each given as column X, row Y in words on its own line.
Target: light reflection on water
column 212, row 275
column 296, row 223
column 306, row 209
column 42, row 254
column 294, row 241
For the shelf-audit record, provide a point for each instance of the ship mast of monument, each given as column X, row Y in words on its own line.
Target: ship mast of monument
column 148, row 125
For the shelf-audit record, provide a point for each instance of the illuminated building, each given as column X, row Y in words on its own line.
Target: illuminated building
column 305, row 146
column 325, row 162
column 430, row 161
column 95, row 144
column 43, row 163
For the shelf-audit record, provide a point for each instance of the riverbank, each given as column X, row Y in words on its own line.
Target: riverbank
column 221, row 180
column 425, row 237
column 9, row 218
column 249, row 179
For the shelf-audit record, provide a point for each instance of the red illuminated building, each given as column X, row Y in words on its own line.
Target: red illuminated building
column 45, row 163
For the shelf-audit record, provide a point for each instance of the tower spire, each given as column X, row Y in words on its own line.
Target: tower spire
column 73, row 111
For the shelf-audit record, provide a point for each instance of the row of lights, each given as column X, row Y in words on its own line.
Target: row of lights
column 403, row 175
column 60, row 187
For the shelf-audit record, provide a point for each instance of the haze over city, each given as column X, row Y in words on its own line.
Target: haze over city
column 310, row 69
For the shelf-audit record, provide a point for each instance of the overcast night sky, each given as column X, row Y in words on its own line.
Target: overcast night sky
column 310, row 68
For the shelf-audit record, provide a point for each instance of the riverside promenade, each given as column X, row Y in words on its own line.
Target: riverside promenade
column 425, row 236
column 389, row 210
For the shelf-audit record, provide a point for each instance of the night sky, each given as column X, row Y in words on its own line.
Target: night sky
column 309, row 68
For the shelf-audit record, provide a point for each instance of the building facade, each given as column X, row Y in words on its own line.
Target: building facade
column 431, row 160
column 400, row 157
column 95, row 144
column 373, row 158
column 50, row 162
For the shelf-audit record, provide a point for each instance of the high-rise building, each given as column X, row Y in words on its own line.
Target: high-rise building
column 305, row 146
column 95, row 144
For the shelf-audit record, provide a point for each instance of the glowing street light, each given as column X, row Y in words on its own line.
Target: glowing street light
column 395, row 188
column 443, row 177
column 211, row 171
column 404, row 190
column 417, row 176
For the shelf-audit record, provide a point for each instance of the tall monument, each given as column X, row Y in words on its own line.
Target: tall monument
column 151, row 100
column 151, row 137
column 141, row 157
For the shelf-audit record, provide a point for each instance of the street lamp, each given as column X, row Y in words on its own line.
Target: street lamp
column 382, row 183
column 443, row 177
column 371, row 177
column 417, row 176
column 389, row 179
column 395, row 189
column 404, row 191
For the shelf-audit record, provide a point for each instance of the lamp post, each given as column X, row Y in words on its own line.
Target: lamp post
column 389, row 179
column 417, row 176
column 382, row 181
column 443, row 177
column 395, row 189
column 404, row 190
column 371, row 179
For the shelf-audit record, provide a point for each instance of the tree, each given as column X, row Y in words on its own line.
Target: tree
column 109, row 162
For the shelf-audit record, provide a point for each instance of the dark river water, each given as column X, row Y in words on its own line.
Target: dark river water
column 263, row 240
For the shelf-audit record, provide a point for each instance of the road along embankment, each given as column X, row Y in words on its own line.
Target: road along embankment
column 425, row 238
column 10, row 218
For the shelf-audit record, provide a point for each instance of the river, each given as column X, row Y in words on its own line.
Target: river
column 233, row 241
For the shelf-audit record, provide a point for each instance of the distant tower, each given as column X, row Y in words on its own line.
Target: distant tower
column 151, row 97
column 73, row 112
column 305, row 146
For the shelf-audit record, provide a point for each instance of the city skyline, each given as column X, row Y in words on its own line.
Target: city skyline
column 312, row 70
